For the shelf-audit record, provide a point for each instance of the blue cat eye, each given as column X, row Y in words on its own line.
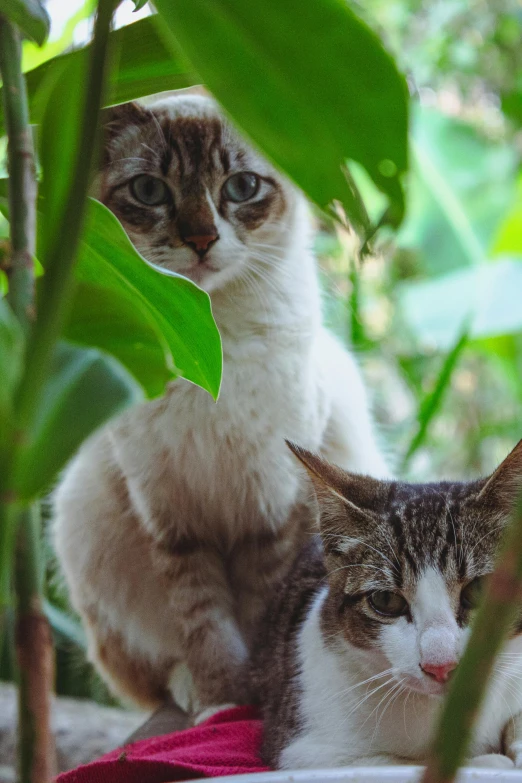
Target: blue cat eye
column 388, row 603
column 149, row 190
column 240, row 187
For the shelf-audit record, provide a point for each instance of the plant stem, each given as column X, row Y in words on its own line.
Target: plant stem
column 58, row 279
column 33, row 640
column 22, row 180
column 493, row 622
column 34, row 653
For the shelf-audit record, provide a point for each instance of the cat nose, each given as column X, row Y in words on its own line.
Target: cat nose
column 440, row 672
column 201, row 243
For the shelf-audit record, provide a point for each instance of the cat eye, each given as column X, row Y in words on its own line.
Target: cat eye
column 241, row 187
column 388, row 603
column 149, row 190
column 472, row 593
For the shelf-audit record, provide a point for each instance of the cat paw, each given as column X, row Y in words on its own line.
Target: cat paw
column 208, row 712
column 182, row 689
column 497, row 760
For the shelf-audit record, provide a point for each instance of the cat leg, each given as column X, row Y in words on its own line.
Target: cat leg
column 210, row 641
column 131, row 677
column 513, row 740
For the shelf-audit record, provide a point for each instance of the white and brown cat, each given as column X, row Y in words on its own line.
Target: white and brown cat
column 355, row 653
column 174, row 523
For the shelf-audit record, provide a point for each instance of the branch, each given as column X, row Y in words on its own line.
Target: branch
column 492, row 624
column 34, row 654
column 34, row 645
column 22, row 180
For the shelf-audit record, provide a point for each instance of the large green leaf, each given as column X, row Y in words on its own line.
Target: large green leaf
column 158, row 324
column 29, row 15
column 309, row 82
column 117, row 322
column 85, row 388
column 144, row 65
column 487, row 297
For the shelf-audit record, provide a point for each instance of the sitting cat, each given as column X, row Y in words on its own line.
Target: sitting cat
column 175, row 522
column 354, row 655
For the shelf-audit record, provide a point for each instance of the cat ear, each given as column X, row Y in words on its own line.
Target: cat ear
column 117, row 118
column 503, row 486
column 347, row 501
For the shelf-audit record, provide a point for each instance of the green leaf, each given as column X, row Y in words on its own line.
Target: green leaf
column 488, row 296
column 309, row 82
column 117, row 322
column 146, row 314
column 508, row 239
column 11, row 364
column 29, row 15
column 139, row 4
column 58, row 142
column 84, row 390
column 33, row 56
column 432, row 402
column 144, row 65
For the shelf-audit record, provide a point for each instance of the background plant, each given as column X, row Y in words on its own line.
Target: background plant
column 432, row 312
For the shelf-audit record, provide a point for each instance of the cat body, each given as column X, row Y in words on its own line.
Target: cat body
column 341, row 683
column 175, row 523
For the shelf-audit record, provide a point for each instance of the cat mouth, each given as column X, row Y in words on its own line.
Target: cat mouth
column 425, row 686
column 198, row 272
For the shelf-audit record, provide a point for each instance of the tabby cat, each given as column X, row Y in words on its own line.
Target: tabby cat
column 174, row 523
column 356, row 652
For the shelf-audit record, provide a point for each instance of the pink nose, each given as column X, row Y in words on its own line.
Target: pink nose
column 201, row 242
column 440, row 673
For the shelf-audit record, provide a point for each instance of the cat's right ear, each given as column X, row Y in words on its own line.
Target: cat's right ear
column 339, row 495
column 503, row 486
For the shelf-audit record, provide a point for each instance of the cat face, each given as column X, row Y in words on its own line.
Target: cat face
column 407, row 565
column 191, row 194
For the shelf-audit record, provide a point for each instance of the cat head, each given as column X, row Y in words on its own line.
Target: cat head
column 407, row 564
column 192, row 195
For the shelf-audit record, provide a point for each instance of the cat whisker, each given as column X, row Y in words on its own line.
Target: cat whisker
column 404, row 713
column 385, row 673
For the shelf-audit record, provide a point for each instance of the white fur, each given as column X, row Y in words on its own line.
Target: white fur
column 221, row 469
column 348, row 718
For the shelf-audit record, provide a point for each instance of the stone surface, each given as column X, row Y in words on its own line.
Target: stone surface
column 83, row 730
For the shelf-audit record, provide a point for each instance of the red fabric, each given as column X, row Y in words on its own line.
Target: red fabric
column 228, row 743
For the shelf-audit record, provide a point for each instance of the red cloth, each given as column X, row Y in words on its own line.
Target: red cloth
column 228, row 743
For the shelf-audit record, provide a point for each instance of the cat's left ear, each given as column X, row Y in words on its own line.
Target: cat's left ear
column 347, row 501
column 503, row 486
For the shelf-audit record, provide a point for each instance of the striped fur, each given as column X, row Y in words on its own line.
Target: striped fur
column 340, row 683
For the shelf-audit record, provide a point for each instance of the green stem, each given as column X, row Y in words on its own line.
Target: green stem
column 494, row 620
column 22, row 180
column 34, row 653
column 33, row 639
column 57, row 282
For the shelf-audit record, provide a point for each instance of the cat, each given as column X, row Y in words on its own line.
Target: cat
column 354, row 655
column 174, row 524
